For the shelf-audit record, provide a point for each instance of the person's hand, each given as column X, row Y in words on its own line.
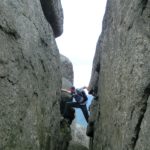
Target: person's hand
column 64, row 90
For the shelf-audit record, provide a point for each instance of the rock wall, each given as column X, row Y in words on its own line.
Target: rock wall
column 122, row 119
column 67, row 70
column 30, row 78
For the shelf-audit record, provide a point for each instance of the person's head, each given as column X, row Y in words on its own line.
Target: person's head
column 72, row 89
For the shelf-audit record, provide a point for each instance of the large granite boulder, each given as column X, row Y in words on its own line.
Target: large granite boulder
column 122, row 121
column 54, row 14
column 67, row 69
column 30, row 78
column 67, row 81
column 93, row 90
column 66, row 84
column 65, row 134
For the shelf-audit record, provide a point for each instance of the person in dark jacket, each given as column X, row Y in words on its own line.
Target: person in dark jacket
column 80, row 100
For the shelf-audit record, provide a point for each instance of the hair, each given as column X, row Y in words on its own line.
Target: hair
column 72, row 89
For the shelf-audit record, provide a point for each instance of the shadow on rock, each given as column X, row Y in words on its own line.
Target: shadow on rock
column 70, row 115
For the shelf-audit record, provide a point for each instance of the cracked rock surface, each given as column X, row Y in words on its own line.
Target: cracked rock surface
column 122, row 121
column 30, row 78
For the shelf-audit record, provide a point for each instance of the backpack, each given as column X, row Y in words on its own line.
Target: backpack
column 80, row 96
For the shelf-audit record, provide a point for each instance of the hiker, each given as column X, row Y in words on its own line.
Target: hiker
column 80, row 97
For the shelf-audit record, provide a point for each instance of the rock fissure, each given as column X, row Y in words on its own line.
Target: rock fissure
column 142, row 112
column 147, row 90
column 43, row 42
column 43, row 66
column 32, row 77
column 143, row 4
column 30, row 63
column 11, row 81
column 2, row 76
column 132, row 112
column 10, row 32
column 22, row 24
column 54, row 103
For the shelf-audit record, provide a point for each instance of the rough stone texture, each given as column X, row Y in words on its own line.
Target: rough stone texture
column 30, row 78
column 67, row 82
column 122, row 121
column 78, row 139
column 54, row 14
column 93, row 89
column 79, row 134
column 67, row 68
column 92, row 118
column 65, row 134
column 93, row 85
column 76, row 146
column 70, row 114
column 143, row 140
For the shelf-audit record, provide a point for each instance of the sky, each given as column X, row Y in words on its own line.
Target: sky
column 82, row 27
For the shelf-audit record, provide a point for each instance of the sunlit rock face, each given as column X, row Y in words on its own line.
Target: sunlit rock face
column 122, row 119
column 30, row 78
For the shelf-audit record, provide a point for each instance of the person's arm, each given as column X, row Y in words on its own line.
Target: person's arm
column 85, row 87
column 65, row 90
column 90, row 91
column 82, row 88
